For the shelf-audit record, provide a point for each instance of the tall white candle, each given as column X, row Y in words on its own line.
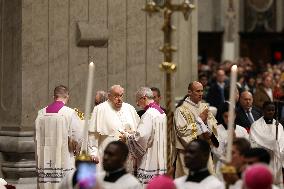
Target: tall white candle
column 233, row 81
column 88, row 104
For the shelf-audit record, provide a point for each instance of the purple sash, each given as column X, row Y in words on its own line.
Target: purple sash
column 54, row 107
column 154, row 105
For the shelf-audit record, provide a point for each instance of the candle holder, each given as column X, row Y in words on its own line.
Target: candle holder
column 83, row 156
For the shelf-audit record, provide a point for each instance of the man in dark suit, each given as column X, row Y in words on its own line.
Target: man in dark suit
column 215, row 96
column 246, row 113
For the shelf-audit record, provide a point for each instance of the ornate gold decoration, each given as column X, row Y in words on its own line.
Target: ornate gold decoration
column 83, row 157
column 79, row 113
column 228, row 169
column 168, row 66
column 151, row 7
column 186, row 114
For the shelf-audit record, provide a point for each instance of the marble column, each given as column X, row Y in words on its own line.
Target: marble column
column 16, row 146
column 185, row 39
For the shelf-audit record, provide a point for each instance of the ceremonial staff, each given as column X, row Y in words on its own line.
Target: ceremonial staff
column 168, row 66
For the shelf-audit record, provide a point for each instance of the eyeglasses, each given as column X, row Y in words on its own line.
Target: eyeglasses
column 116, row 96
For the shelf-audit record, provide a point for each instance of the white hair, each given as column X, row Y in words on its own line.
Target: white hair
column 114, row 87
column 144, row 91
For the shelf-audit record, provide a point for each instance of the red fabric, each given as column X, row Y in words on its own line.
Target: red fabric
column 161, row 182
column 258, row 176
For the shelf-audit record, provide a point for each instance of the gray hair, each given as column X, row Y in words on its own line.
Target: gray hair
column 110, row 90
column 102, row 97
column 144, row 91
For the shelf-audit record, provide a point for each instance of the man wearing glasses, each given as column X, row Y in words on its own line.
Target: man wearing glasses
column 108, row 120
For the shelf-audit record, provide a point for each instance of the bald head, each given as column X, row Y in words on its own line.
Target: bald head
column 246, row 100
column 195, row 91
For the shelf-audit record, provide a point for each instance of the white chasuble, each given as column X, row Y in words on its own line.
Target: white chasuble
column 148, row 145
column 53, row 155
column 264, row 135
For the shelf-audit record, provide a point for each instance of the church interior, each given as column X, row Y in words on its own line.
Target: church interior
column 45, row 43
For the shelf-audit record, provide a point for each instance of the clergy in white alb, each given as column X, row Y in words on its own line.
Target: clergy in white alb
column 263, row 134
column 222, row 130
column 196, row 155
column 107, row 119
column 148, row 144
column 58, row 136
column 193, row 120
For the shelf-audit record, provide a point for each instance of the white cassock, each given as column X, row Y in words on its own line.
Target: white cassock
column 210, row 182
column 188, row 126
column 105, row 125
column 127, row 181
column 53, row 156
column 264, row 135
column 148, row 145
column 220, row 152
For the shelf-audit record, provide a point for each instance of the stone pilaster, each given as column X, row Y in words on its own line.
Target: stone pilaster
column 231, row 30
column 185, row 39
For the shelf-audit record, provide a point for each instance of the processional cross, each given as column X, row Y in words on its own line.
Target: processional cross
column 168, row 8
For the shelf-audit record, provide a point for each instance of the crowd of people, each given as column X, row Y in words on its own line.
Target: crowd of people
column 129, row 147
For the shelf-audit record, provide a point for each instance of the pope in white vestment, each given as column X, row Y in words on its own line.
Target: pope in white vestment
column 58, row 136
column 108, row 119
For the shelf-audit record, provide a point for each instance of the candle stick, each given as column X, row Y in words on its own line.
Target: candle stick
column 233, row 81
column 88, row 105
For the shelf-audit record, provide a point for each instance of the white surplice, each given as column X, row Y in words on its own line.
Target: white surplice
column 220, row 152
column 53, row 156
column 148, row 145
column 210, row 182
column 105, row 125
column 264, row 135
column 127, row 181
